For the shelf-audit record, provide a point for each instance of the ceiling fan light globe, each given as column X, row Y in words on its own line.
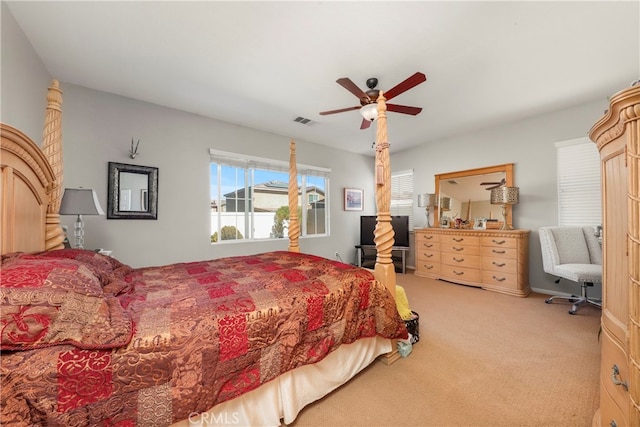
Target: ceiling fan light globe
column 369, row 112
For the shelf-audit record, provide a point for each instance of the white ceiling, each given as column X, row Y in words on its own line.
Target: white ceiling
column 262, row 64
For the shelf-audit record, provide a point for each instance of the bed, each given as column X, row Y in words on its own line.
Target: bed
column 88, row 340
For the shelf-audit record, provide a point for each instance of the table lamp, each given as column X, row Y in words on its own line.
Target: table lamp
column 80, row 201
column 505, row 196
column 427, row 200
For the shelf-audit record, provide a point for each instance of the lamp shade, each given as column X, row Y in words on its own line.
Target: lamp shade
column 505, row 195
column 80, row 201
column 426, row 200
column 369, row 111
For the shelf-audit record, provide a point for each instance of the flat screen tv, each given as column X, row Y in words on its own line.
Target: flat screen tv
column 400, row 224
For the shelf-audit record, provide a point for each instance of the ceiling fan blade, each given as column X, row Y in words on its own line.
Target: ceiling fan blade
column 410, row 82
column 346, row 83
column 502, row 181
column 365, row 124
column 342, row 110
column 404, row 109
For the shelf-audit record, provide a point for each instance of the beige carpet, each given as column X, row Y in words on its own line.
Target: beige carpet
column 484, row 359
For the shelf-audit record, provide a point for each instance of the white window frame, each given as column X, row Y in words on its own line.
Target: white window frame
column 250, row 164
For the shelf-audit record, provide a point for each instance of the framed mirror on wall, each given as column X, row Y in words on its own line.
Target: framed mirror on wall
column 467, row 194
column 132, row 192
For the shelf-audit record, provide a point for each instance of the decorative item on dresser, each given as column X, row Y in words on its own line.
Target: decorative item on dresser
column 427, row 201
column 617, row 136
column 496, row 260
column 505, row 196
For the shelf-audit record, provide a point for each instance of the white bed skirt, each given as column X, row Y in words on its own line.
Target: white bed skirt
column 281, row 399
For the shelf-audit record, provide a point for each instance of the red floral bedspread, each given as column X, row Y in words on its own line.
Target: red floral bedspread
column 203, row 333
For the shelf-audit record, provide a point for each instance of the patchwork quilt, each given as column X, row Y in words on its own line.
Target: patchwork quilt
column 87, row 340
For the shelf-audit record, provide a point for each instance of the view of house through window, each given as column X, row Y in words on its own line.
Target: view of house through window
column 250, row 200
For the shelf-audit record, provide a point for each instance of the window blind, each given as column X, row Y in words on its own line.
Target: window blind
column 579, row 186
column 402, row 194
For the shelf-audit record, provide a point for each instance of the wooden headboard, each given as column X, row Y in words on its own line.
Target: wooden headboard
column 31, row 184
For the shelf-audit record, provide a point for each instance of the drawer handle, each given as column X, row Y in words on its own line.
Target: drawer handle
column 458, row 240
column 615, row 371
column 499, row 279
column 499, row 242
column 428, row 245
column 498, row 252
column 428, row 237
column 499, row 264
column 428, row 255
column 458, row 273
column 428, row 267
column 458, row 249
column 458, row 259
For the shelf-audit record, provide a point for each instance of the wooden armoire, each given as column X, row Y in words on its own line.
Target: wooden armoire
column 617, row 135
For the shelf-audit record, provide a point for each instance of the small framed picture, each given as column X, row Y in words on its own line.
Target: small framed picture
column 353, row 199
column 480, row 224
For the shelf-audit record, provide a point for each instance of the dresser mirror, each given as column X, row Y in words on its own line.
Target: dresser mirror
column 469, row 193
column 133, row 192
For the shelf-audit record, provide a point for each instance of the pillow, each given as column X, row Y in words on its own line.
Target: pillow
column 105, row 268
column 49, row 301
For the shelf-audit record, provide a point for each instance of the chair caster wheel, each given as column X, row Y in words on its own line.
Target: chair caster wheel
column 548, row 300
column 572, row 312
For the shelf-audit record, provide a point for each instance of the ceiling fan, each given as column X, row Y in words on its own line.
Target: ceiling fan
column 368, row 107
column 494, row 184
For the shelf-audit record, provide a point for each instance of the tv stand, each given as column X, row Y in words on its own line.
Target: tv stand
column 366, row 256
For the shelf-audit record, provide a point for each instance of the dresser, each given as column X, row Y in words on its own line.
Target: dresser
column 496, row 260
column 617, row 136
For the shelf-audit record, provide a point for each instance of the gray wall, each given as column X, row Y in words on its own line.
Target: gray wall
column 24, row 79
column 98, row 127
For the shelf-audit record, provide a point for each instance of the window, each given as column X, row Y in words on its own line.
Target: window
column 579, row 200
column 402, row 194
column 250, row 198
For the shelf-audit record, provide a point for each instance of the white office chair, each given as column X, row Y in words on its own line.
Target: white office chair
column 575, row 254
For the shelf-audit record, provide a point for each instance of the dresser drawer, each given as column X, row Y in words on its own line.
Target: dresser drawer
column 503, row 265
column 499, row 278
column 458, row 248
column 491, row 251
column 611, row 355
column 427, row 267
column 502, row 242
column 462, row 260
column 428, row 255
column 427, row 245
column 427, row 237
column 610, row 412
column 456, row 273
column 460, row 240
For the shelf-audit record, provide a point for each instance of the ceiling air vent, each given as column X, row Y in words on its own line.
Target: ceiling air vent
column 303, row 121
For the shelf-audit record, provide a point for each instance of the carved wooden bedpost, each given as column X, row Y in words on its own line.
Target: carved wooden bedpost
column 52, row 149
column 294, row 223
column 383, row 233
column 384, row 270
